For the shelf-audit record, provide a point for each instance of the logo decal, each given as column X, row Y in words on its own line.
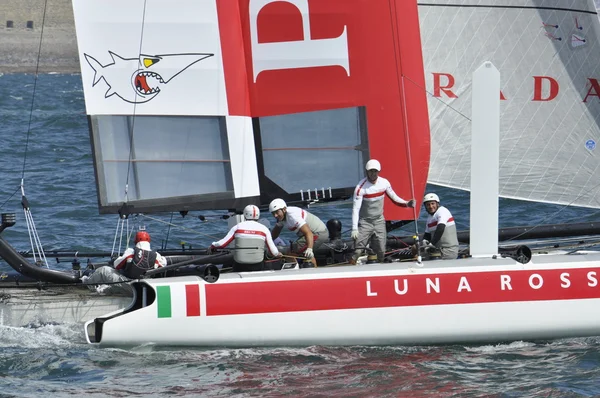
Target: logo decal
column 590, row 145
column 150, row 74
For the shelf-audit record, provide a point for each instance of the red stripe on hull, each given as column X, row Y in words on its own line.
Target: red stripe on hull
column 401, row 291
column 192, row 299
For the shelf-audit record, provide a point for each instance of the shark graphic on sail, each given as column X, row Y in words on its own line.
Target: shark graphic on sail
column 150, row 74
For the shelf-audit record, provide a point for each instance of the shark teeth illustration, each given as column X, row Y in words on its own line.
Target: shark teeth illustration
column 147, row 83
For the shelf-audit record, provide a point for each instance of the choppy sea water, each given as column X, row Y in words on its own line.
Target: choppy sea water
column 54, row 162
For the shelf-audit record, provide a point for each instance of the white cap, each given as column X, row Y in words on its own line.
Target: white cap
column 373, row 165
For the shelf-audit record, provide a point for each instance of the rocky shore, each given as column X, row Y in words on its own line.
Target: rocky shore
column 20, row 32
column 20, row 50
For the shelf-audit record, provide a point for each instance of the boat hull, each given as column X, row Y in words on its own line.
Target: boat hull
column 29, row 306
column 457, row 301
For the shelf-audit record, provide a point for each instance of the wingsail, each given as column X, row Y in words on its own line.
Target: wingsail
column 294, row 100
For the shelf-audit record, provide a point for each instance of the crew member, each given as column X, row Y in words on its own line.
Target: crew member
column 440, row 230
column 278, row 241
column 311, row 231
column 250, row 237
column 368, row 223
column 135, row 262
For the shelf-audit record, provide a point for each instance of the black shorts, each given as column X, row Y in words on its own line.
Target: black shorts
column 239, row 267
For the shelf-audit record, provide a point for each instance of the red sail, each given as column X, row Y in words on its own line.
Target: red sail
column 375, row 62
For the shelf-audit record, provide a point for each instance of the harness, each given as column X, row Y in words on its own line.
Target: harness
column 142, row 261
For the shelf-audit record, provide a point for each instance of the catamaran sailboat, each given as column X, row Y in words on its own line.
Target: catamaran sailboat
column 227, row 103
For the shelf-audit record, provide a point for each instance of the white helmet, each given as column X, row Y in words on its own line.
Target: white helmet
column 430, row 197
column 251, row 212
column 373, row 164
column 277, row 204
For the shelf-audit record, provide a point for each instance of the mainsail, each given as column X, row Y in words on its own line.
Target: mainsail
column 548, row 54
column 219, row 103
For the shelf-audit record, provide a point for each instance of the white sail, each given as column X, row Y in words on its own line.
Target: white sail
column 548, row 54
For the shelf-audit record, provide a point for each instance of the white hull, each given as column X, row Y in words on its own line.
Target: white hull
column 459, row 301
column 22, row 307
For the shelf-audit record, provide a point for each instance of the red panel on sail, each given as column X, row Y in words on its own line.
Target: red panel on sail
column 306, row 55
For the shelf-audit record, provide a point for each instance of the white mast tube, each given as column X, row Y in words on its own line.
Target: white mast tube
column 485, row 154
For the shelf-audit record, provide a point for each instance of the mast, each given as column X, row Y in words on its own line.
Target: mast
column 485, row 141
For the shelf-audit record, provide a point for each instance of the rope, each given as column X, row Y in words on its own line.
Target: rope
column 437, row 98
column 130, row 159
column 35, row 79
column 168, row 232
column 133, row 117
column 551, row 215
column 9, row 198
column 294, row 257
column 179, row 226
column 34, row 239
column 112, row 252
column 402, row 96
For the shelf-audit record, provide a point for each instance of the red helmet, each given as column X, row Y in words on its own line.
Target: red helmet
column 142, row 236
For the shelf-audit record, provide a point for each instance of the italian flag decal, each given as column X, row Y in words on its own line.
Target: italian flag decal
column 178, row 301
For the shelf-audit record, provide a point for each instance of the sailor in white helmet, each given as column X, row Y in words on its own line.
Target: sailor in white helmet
column 250, row 239
column 311, row 231
column 440, row 230
column 368, row 223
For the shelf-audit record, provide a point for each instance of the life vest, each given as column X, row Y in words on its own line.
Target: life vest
column 142, row 261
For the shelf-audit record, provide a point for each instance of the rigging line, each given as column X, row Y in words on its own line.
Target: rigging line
column 37, row 68
column 402, row 93
column 36, row 243
column 33, row 248
column 9, row 198
column 128, row 232
column 112, row 252
column 164, row 246
column 439, row 99
column 179, row 226
column 509, row 7
column 467, row 118
column 553, row 215
column 135, row 102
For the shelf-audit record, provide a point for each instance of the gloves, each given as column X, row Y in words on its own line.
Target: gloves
column 211, row 249
column 308, row 253
column 411, row 203
column 354, row 234
column 425, row 244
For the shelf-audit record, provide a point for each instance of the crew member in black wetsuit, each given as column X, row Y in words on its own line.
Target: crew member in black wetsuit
column 136, row 261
